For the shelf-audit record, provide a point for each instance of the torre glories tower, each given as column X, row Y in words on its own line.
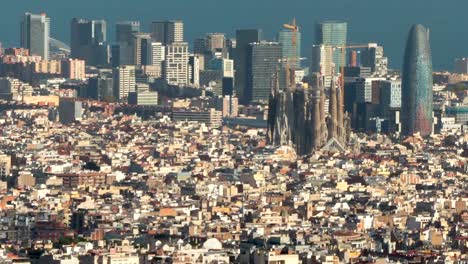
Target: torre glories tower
column 417, row 103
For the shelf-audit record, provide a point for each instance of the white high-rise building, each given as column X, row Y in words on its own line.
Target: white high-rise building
column 35, row 33
column 157, row 56
column 195, row 62
column 176, row 70
column 178, row 31
column 124, row 81
column 228, row 68
column 322, row 62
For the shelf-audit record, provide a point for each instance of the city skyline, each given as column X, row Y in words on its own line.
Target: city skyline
column 370, row 26
column 260, row 132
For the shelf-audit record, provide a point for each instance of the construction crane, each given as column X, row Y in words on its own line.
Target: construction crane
column 294, row 29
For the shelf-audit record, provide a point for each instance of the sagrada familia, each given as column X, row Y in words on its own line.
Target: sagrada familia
column 297, row 117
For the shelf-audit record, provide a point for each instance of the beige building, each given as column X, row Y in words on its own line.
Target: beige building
column 5, row 165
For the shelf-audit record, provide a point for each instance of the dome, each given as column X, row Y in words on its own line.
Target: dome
column 212, row 243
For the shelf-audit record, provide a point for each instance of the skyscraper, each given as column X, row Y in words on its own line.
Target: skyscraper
column 167, row 32
column 373, row 57
column 157, row 56
column 333, row 33
column 35, row 33
column 417, row 102
column 88, row 41
column 291, row 52
column 125, row 30
column 262, row 68
column 322, row 62
column 123, row 52
column 176, row 70
column 141, row 46
column 124, row 81
column 243, row 38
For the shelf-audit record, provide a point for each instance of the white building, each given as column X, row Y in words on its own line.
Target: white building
column 322, row 62
column 390, row 92
column 124, row 81
column 228, row 68
column 176, row 70
column 157, row 56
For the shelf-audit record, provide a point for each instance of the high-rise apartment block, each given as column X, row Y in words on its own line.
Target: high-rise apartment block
column 73, row 69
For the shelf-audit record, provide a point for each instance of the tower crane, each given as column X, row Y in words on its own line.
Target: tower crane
column 294, row 28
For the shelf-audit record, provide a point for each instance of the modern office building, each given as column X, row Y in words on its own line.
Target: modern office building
column 322, row 62
column 88, row 41
column 69, row 110
column 211, row 117
column 35, row 33
column 373, row 57
column 228, row 86
column 262, row 70
column 417, row 98
column 157, row 56
column 390, row 93
column 144, row 98
column 101, row 87
column 124, row 81
column 176, row 70
column 243, row 39
column 141, row 46
column 333, row 33
column 365, row 90
column 167, row 32
column 123, row 52
column 124, row 31
column 459, row 112
column 195, row 62
column 291, row 52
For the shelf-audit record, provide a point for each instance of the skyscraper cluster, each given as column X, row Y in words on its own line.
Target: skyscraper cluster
column 343, row 79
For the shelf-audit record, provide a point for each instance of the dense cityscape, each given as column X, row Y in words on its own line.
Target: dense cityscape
column 151, row 148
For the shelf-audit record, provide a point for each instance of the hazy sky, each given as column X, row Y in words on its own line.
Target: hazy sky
column 384, row 21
